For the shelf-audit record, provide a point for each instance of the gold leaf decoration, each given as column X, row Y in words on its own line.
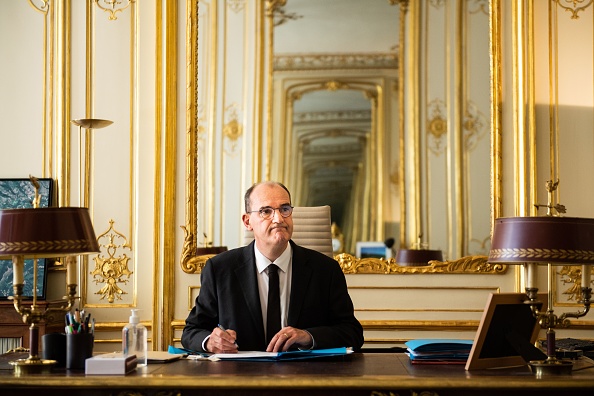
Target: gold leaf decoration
column 466, row 265
column 112, row 7
column 112, row 270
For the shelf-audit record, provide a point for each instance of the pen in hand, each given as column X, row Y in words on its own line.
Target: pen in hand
column 225, row 330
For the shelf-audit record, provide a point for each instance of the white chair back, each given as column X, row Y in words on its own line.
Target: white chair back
column 311, row 229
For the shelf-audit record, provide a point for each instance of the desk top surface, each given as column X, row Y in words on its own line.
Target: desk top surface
column 358, row 370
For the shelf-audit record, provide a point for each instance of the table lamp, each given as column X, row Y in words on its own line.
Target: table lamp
column 418, row 255
column 547, row 240
column 34, row 233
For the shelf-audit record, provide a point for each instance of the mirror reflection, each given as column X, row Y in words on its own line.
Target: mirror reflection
column 333, row 64
column 331, row 129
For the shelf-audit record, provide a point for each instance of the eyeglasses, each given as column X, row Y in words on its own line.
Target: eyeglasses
column 267, row 212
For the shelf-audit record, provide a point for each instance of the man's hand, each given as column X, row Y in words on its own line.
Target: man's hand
column 287, row 337
column 222, row 341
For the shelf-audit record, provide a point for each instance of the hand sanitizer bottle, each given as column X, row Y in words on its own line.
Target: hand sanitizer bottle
column 134, row 339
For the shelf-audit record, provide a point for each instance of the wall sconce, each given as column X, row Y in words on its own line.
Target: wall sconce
column 35, row 233
column 547, row 240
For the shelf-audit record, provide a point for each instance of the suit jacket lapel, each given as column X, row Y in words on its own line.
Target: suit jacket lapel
column 246, row 273
column 301, row 273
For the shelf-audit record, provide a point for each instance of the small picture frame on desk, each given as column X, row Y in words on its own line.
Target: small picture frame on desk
column 507, row 332
column 19, row 193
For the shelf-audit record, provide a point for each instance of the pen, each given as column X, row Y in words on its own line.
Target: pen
column 87, row 319
column 225, row 330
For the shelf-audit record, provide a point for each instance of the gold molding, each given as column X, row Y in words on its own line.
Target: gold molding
column 495, row 38
column 476, row 265
column 192, row 130
column 575, row 7
column 414, row 325
column 329, row 61
column 168, row 108
column 43, row 7
column 112, row 7
column 449, row 325
column 402, row 120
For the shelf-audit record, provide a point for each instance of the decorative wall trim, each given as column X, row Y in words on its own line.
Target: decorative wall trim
column 192, row 129
column 335, row 61
column 476, row 265
column 112, row 269
column 574, row 7
column 112, row 7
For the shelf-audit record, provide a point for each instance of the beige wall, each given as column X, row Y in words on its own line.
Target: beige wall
column 134, row 73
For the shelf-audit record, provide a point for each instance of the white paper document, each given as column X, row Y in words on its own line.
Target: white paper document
column 279, row 356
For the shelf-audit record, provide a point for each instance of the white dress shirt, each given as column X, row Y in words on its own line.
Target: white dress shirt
column 284, row 280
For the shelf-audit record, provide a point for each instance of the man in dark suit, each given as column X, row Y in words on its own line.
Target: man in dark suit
column 231, row 311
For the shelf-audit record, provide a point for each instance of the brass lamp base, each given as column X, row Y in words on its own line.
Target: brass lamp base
column 551, row 366
column 32, row 366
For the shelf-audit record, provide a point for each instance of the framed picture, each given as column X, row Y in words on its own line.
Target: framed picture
column 16, row 194
column 373, row 250
column 507, row 333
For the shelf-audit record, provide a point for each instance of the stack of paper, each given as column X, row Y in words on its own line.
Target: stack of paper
column 438, row 351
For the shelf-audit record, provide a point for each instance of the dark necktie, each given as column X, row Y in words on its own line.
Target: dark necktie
column 273, row 314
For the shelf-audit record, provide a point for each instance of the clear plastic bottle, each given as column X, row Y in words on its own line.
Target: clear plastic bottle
column 134, row 339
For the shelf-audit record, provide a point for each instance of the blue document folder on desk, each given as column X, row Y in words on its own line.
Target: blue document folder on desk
column 438, row 351
column 254, row 356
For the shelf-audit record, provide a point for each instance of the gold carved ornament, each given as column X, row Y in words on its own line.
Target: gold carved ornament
column 112, row 7
column 111, row 270
column 232, row 130
column 192, row 264
column 42, row 7
column 572, row 275
column 465, row 265
column 574, row 6
column 476, row 265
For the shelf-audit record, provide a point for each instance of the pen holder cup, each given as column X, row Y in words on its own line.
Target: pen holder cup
column 53, row 347
column 79, row 347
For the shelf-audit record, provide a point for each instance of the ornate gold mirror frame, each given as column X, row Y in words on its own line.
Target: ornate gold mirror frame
column 191, row 263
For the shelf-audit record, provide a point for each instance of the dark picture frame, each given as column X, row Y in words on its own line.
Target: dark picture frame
column 507, row 333
column 19, row 193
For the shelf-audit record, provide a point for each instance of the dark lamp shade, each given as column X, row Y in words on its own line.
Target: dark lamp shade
column 544, row 239
column 417, row 257
column 46, row 232
column 210, row 250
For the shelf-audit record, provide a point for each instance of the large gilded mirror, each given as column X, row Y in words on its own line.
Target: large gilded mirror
column 380, row 109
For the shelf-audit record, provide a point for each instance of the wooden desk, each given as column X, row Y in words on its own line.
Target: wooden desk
column 357, row 374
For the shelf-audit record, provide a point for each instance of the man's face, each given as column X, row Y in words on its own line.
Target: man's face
column 275, row 231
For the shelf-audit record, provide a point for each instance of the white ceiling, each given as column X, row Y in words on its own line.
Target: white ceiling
column 338, row 26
